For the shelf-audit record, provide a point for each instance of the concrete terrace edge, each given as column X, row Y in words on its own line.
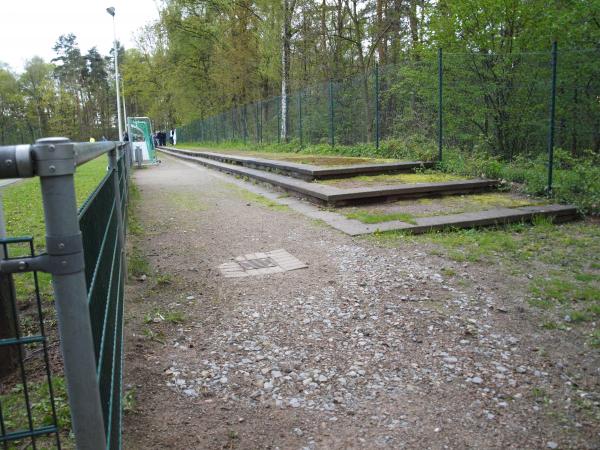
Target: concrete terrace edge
column 334, row 196
column 306, row 171
column 352, row 227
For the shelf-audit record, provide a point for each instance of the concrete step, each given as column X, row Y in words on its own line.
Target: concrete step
column 307, row 172
column 490, row 217
column 333, row 196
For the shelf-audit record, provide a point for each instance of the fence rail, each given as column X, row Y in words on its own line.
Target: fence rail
column 85, row 256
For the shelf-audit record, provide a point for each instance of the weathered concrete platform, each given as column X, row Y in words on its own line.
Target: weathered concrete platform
column 490, row 217
column 333, row 196
column 306, row 171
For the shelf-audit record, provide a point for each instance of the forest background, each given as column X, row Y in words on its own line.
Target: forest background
column 218, row 59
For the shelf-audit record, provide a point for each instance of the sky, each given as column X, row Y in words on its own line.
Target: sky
column 31, row 27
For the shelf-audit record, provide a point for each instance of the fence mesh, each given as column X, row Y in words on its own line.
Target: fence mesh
column 27, row 411
column 495, row 103
column 105, row 277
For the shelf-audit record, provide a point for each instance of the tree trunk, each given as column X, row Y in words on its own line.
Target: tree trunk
column 381, row 46
column 8, row 354
column 286, row 37
column 414, row 23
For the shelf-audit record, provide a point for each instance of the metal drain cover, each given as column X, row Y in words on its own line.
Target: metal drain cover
column 261, row 264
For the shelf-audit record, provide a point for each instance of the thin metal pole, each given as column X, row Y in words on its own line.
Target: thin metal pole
column 440, row 104
column 245, row 125
column 261, row 121
column 279, row 122
column 232, row 125
column 70, row 294
column 256, row 120
column 300, row 115
column 331, row 129
column 124, row 105
column 376, row 105
column 117, row 79
column 552, row 118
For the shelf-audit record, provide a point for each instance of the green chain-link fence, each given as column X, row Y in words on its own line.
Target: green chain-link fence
column 479, row 102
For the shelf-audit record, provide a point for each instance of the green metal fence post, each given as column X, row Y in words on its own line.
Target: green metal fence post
column 256, row 120
column 261, row 121
column 331, row 128
column 300, row 115
column 377, row 105
column 245, row 124
column 440, row 104
column 552, row 118
column 221, row 127
column 279, row 122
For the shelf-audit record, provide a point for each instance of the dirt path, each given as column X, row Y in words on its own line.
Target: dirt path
column 368, row 347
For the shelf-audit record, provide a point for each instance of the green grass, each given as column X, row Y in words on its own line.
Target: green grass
column 23, row 201
column 186, row 200
column 299, row 158
column 24, row 216
column 137, row 264
column 374, row 217
column 157, row 316
column 133, row 224
column 156, row 336
column 397, row 178
column 595, row 338
column 558, row 263
column 256, row 198
column 175, row 317
column 15, row 413
column 428, row 207
column 164, row 279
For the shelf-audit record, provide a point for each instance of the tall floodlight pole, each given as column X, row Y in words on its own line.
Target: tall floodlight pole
column 111, row 11
column 124, row 107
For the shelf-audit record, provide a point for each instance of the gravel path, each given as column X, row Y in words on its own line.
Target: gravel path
column 369, row 347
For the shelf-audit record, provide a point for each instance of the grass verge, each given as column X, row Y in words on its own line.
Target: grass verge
column 15, row 414
column 374, row 217
column 24, row 216
column 559, row 265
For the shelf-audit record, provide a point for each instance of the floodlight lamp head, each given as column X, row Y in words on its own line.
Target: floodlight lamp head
column 111, row 11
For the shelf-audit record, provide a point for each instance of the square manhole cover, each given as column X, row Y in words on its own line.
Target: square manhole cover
column 261, row 264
